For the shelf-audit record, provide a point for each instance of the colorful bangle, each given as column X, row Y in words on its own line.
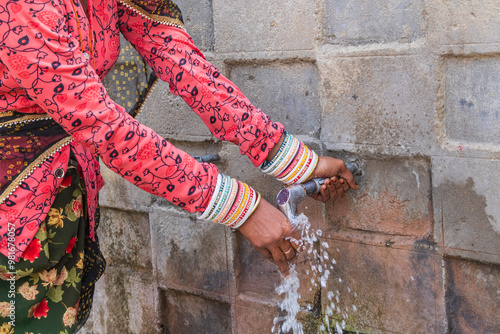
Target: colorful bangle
column 310, row 168
column 234, row 207
column 240, row 205
column 281, row 177
column 304, row 168
column 205, row 213
column 257, row 201
column 267, row 166
column 217, row 199
column 229, row 203
column 247, row 209
column 288, row 159
column 221, row 200
column 284, row 155
column 298, row 168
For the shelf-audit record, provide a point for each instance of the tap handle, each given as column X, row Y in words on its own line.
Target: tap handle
column 313, row 186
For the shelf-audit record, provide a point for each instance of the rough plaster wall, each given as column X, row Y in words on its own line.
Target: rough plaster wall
column 409, row 87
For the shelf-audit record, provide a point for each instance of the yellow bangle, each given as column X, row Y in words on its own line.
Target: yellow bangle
column 240, row 205
column 298, row 168
column 256, row 204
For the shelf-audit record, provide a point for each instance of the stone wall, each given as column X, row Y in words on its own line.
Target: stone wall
column 412, row 89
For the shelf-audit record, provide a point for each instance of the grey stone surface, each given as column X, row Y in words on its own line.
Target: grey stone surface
column 467, row 205
column 379, row 21
column 198, row 21
column 464, row 22
column 472, row 102
column 124, row 238
column 379, row 104
column 124, row 302
column 256, row 26
column 394, row 198
column 189, row 253
column 384, row 290
column 121, row 194
column 188, row 313
column 287, row 93
column 473, row 297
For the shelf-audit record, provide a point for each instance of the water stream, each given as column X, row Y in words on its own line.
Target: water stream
column 318, row 268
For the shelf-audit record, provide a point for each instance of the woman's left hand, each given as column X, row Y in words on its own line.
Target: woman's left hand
column 339, row 179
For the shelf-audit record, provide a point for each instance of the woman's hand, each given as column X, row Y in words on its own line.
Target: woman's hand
column 270, row 232
column 339, row 179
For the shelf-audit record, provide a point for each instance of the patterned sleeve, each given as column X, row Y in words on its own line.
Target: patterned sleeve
column 220, row 104
column 46, row 63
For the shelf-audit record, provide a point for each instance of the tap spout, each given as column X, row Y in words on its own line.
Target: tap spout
column 289, row 197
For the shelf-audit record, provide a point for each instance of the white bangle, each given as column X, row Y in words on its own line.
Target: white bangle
column 205, row 213
column 221, row 198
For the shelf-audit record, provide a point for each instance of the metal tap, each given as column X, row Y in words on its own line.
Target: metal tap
column 289, row 197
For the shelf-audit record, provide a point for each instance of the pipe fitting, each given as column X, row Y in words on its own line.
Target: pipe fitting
column 289, row 197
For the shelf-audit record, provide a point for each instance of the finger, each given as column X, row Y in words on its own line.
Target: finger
column 345, row 185
column 325, row 192
column 347, row 175
column 288, row 251
column 338, row 187
column 280, row 260
column 265, row 253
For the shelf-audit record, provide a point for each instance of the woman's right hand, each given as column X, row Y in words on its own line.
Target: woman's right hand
column 271, row 233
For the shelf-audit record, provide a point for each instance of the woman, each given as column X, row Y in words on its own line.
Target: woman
column 56, row 118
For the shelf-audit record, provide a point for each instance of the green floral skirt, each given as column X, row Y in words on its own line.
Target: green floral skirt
column 55, row 277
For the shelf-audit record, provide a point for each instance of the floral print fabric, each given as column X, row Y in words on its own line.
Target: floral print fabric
column 50, row 273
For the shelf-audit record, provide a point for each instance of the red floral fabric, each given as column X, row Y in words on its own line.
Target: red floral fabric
column 47, row 65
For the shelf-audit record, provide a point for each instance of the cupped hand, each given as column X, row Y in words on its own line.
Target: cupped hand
column 339, row 179
column 272, row 235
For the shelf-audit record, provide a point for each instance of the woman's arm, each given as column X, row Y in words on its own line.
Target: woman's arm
column 48, row 65
column 229, row 115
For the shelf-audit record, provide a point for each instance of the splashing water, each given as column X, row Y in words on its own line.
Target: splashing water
column 319, row 266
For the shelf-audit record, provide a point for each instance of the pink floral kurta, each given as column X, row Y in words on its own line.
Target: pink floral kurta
column 44, row 68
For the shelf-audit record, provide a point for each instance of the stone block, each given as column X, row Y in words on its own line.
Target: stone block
column 253, row 317
column 124, row 302
column 259, row 278
column 188, row 252
column 199, row 22
column 393, row 198
column 382, row 105
column 169, row 115
column 467, row 207
column 472, row 103
column 121, row 194
column 124, row 238
column 254, row 26
column 288, row 93
column 464, row 22
column 187, row 313
column 473, row 298
column 256, row 275
column 383, row 290
column 360, row 22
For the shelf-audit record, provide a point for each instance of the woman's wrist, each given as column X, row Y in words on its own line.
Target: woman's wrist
column 232, row 202
column 292, row 162
column 275, row 148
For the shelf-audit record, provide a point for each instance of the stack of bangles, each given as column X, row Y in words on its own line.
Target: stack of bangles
column 293, row 163
column 232, row 202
